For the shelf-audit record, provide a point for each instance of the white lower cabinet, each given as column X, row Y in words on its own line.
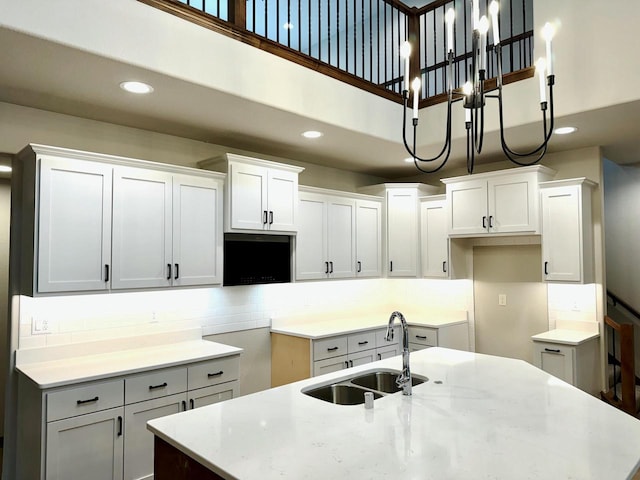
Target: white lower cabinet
column 86, row 446
column 575, row 364
column 98, row 429
column 138, row 440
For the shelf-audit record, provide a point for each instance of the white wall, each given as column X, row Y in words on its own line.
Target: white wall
column 621, row 200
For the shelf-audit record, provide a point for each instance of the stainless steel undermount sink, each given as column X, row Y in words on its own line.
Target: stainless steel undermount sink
column 351, row 390
column 383, row 381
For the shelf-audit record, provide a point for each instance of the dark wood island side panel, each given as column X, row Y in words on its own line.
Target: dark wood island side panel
column 169, row 463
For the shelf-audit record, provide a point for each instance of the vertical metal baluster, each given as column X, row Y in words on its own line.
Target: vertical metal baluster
column 355, row 57
column 346, row 35
column 277, row 21
column 299, row 25
column 265, row 18
column 511, row 35
column 393, row 57
column 319, row 30
column 253, row 12
column 308, row 22
column 338, row 31
column 288, row 23
column 386, row 61
column 370, row 43
column 329, row 32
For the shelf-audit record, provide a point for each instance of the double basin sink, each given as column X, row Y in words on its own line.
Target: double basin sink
column 351, row 390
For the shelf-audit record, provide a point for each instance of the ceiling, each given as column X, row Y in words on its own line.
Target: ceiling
column 33, row 75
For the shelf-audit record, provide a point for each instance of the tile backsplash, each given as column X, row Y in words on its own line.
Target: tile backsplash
column 72, row 319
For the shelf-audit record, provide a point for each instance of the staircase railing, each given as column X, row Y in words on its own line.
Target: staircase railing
column 358, row 41
column 621, row 359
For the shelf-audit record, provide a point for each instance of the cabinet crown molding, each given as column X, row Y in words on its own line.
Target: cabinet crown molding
column 68, row 153
column 569, row 181
column 539, row 169
column 223, row 160
column 338, row 193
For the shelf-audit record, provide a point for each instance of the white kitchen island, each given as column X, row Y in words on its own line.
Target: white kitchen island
column 478, row 417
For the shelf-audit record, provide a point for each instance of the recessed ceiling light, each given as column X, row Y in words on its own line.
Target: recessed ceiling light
column 312, row 134
column 5, row 168
column 564, row 130
column 409, row 159
column 136, row 87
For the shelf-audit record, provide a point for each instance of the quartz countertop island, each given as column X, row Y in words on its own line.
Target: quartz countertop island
column 478, row 416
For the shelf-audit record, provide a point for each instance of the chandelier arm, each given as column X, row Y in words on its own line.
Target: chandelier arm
column 547, row 134
column 470, row 149
column 479, row 139
column 445, row 148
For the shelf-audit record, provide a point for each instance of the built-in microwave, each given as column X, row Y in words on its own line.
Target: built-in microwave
column 251, row 259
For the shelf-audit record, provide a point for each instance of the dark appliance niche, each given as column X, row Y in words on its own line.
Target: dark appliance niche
column 251, row 259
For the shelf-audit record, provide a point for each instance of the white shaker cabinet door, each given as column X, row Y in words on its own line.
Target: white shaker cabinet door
column 282, row 200
column 214, row 394
column 248, row 197
column 197, row 231
column 513, row 204
column 142, row 228
column 402, row 232
column 434, row 239
column 368, row 238
column 138, row 441
column 86, row 446
column 74, row 237
column 311, row 241
column 341, row 240
column 467, row 207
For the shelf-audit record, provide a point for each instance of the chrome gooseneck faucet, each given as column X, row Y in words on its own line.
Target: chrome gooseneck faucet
column 404, row 379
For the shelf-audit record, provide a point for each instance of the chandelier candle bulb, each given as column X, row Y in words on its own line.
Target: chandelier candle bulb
column 475, row 9
column 493, row 10
column 547, row 33
column 483, row 28
column 449, row 19
column 405, row 52
column 540, row 69
column 417, row 84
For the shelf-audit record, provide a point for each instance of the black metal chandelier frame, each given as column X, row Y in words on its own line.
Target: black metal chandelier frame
column 474, row 102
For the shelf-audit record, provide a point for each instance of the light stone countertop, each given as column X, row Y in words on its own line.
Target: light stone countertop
column 317, row 329
column 478, row 417
column 67, row 371
column 564, row 336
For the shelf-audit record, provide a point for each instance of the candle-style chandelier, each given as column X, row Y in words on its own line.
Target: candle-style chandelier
column 474, row 93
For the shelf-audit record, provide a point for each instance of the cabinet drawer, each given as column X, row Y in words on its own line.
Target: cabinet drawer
column 357, row 342
column 423, row 336
column 330, row 365
column 212, row 372
column 381, row 337
column 156, row 384
column 86, row 398
column 329, row 347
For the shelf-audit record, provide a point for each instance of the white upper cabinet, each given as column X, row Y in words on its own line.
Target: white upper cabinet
column 197, row 230
column 567, row 232
column 368, row 238
column 402, row 225
column 101, row 222
column 260, row 195
column 341, row 234
column 402, row 232
column 501, row 202
column 142, row 228
column 311, row 241
column 338, row 235
column 434, row 239
column 74, row 237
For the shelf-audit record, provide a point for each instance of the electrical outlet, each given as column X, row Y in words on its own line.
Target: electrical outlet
column 154, row 317
column 502, row 299
column 40, row 326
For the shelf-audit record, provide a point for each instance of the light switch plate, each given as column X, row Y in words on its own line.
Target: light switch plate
column 40, row 325
column 502, row 299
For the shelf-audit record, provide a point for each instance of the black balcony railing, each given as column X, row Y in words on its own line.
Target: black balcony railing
column 358, row 41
